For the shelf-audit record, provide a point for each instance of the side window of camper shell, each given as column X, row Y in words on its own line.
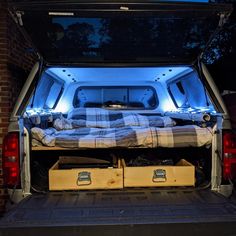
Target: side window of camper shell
column 48, row 92
column 189, row 92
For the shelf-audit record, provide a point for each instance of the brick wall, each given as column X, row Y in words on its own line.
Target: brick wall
column 15, row 64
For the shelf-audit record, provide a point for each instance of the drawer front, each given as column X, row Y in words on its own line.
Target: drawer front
column 93, row 178
column 159, row 176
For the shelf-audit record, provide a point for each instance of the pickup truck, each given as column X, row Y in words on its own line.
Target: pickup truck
column 120, row 128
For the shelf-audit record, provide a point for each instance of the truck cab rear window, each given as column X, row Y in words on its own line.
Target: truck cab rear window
column 116, row 97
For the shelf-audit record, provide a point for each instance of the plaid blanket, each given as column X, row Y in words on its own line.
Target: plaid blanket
column 129, row 136
column 102, row 118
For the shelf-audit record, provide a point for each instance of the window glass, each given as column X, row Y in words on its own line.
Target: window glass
column 189, row 92
column 53, row 95
column 120, row 97
column 46, row 94
column 142, row 36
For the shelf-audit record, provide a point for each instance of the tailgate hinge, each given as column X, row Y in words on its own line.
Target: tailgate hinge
column 17, row 17
column 223, row 18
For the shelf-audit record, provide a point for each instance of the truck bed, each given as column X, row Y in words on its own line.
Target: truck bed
column 122, row 212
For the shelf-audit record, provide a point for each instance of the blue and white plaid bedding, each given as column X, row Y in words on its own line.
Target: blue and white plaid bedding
column 102, row 118
column 99, row 128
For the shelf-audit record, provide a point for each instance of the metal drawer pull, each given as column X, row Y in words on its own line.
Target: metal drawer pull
column 84, row 178
column 159, row 175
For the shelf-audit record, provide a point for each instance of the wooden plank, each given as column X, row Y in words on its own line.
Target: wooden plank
column 183, row 162
column 55, row 166
column 45, row 148
column 123, row 163
column 144, row 176
column 109, row 178
column 81, row 160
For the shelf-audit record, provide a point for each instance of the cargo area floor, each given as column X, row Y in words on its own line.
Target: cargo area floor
column 120, row 207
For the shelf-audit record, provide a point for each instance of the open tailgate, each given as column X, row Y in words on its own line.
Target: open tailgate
column 130, row 212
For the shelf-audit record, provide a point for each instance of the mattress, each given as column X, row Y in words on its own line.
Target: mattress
column 100, row 128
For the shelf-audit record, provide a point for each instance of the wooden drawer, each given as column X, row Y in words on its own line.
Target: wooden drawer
column 85, row 178
column 182, row 174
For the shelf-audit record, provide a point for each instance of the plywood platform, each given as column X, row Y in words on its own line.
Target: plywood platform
column 45, row 148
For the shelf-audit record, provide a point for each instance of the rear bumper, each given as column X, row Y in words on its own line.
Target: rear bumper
column 193, row 229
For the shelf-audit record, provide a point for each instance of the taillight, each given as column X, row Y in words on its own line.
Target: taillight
column 229, row 155
column 11, row 163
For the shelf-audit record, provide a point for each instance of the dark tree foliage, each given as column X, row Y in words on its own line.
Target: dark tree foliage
column 154, row 37
column 222, row 44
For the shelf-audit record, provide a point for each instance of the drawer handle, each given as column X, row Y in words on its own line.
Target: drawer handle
column 159, row 175
column 84, row 178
